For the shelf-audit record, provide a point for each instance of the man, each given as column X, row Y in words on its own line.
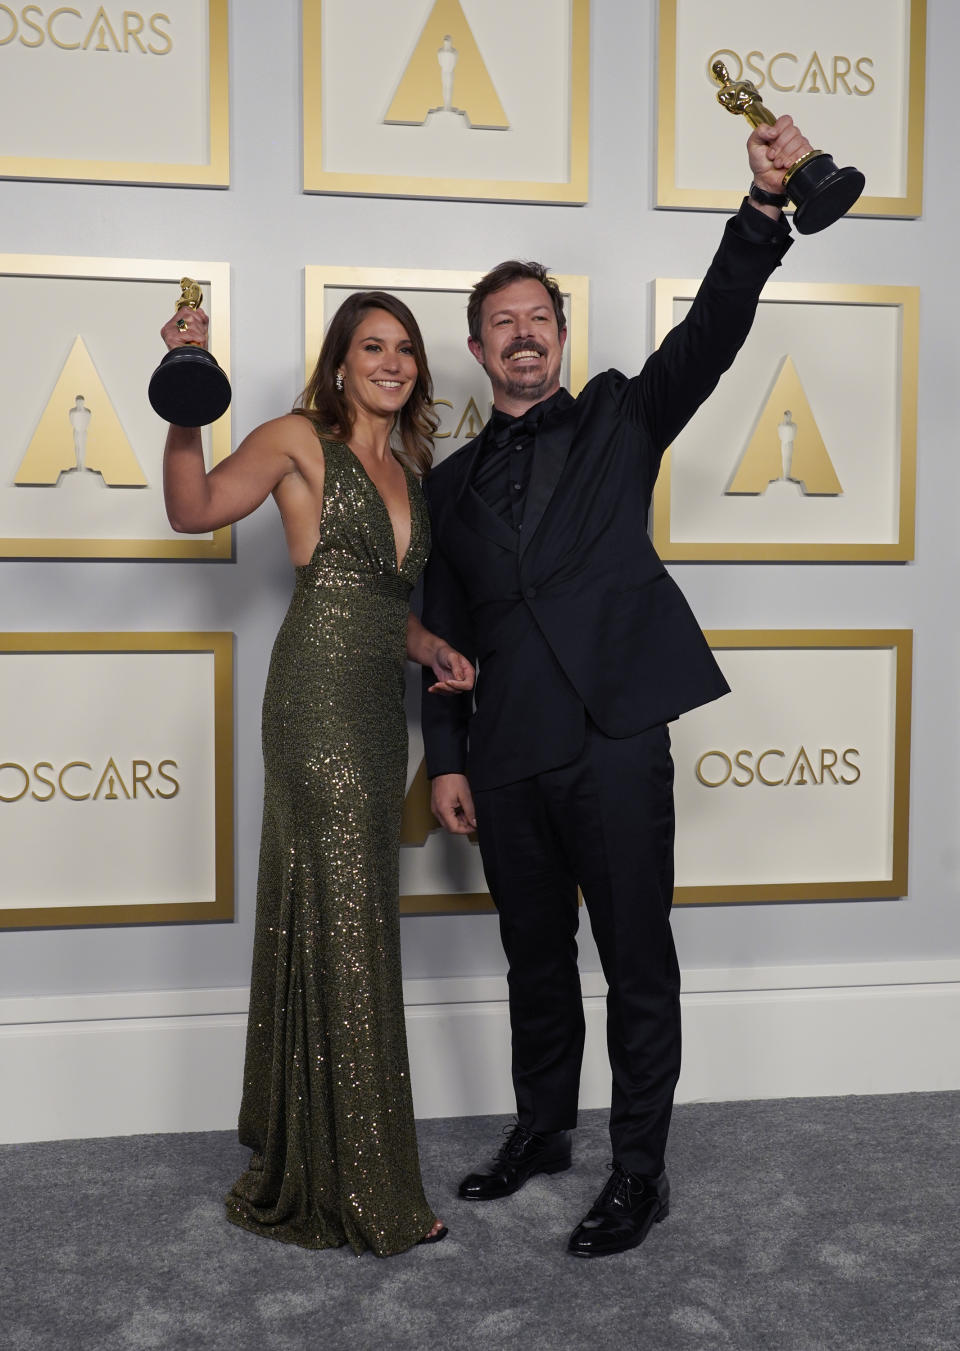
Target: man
column 543, row 572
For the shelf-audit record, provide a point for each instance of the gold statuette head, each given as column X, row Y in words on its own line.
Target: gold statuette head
column 741, row 97
column 191, row 296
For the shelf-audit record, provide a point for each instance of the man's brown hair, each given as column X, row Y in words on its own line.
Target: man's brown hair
column 502, row 275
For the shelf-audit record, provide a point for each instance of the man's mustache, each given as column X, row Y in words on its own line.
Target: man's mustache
column 523, row 345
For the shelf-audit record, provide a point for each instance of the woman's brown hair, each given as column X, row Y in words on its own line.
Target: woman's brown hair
column 329, row 409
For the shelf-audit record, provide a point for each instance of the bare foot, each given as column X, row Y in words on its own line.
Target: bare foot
column 436, row 1234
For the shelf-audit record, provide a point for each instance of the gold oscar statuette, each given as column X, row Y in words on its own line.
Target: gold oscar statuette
column 820, row 191
column 188, row 388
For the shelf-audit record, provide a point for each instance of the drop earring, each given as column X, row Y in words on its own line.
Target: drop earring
column 339, row 382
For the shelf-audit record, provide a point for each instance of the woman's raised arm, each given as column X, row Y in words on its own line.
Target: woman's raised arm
column 198, row 501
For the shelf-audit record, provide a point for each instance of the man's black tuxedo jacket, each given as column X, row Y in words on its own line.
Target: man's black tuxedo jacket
column 575, row 615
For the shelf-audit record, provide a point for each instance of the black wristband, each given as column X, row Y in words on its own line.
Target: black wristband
column 767, row 198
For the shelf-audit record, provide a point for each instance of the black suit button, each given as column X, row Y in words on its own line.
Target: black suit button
column 530, row 592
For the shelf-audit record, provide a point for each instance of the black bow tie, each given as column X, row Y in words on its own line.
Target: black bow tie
column 505, row 429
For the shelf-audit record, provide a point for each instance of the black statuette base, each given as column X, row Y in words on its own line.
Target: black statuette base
column 822, row 193
column 188, row 388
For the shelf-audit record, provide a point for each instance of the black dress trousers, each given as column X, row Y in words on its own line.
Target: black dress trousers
column 603, row 822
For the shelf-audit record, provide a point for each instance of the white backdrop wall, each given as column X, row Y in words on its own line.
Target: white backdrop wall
column 64, row 990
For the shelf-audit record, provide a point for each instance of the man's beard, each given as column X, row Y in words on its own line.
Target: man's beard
column 521, row 388
column 526, row 389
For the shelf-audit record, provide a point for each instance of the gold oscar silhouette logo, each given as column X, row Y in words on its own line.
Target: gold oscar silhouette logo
column 777, row 768
column 79, row 433
column 73, row 31
column 790, row 73
column 470, row 423
column 446, row 76
column 82, row 781
column 786, row 446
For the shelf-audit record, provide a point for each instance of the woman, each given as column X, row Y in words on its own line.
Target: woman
column 326, row 1103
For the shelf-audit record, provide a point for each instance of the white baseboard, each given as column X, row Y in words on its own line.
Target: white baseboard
column 159, row 1061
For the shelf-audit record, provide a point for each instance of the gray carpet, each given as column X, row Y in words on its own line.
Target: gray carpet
column 826, row 1223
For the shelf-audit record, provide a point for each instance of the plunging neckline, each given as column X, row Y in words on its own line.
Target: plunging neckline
column 398, row 562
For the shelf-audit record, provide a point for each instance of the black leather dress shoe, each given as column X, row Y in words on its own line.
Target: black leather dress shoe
column 622, row 1215
column 519, row 1157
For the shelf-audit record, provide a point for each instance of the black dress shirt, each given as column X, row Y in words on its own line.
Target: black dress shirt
column 502, row 472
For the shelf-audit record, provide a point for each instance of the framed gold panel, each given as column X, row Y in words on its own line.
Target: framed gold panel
column 807, row 448
column 821, row 710
column 68, row 69
column 851, row 76
column 439, row 874
column 436, row 98
column 116, row 785
column 796, row 787
column 81, row 450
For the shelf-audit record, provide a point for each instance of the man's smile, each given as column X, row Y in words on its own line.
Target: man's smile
column 529, row 351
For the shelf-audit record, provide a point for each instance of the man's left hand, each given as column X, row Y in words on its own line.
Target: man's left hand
column 773, row 149
column 453, row 671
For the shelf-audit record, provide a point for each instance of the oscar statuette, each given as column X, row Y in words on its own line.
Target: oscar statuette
column 188, row 388
column 820, row 191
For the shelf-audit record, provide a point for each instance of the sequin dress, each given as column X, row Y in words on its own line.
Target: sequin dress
column 326, row 1107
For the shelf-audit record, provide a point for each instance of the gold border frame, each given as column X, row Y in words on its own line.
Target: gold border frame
column 214, row 174
column 716, row 199
column 317, row 278
column 907, row 299
column 573, row 192
column 220, row 546
column 898, row 640
column 114, row 916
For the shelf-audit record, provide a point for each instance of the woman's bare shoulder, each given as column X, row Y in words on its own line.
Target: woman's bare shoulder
column 284, row 434
column 290, row 424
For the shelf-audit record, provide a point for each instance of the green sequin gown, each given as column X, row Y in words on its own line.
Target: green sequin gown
column 326, row 1107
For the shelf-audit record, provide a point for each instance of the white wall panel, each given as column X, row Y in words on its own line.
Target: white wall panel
column 158, row 1061
column 268, row 230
